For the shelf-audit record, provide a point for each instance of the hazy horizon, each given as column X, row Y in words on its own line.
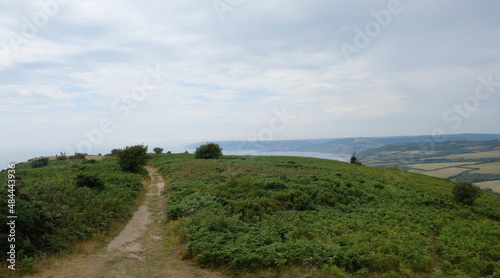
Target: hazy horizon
column 93, row 76
column 17, row 157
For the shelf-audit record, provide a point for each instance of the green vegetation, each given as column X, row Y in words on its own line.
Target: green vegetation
column 65, row 202
column 62, row 157
column 132, row 158
column 465, row 161
column 208, row 151
column 466, row 193
column 79, row 156
column 430, row 150
column 354, row 160
column 40, row 162
column 91, row 182
column 473, row 178
column 253, row 213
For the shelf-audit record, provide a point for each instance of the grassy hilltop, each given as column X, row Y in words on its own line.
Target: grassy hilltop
column 267, row 216
column 323, row 218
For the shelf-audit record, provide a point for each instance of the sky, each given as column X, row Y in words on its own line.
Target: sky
column 90, row 76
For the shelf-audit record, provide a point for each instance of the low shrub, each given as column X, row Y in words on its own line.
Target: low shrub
column 466, row 193
column 207, row 151
column 40, row 162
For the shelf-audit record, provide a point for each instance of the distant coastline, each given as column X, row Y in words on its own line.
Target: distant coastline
column 330, row 156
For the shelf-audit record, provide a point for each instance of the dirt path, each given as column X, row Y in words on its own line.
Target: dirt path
column 138, row 251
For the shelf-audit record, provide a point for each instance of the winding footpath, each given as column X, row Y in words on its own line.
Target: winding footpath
column 138, row 251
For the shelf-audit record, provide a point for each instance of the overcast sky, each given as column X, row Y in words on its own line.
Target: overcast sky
column 97, row 75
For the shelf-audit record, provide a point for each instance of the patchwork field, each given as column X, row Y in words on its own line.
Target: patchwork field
column 444, row 173
column 478, row 155
column 435, row 166
column 494, row 185
column 475, row 162
column 488, row 168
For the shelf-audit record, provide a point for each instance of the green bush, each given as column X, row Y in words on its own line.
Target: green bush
column 207, row 151
column 354, row 160
column 62, row 157
column 466, row 193
column 158, row 150
column 132, row 158
column 79, row 156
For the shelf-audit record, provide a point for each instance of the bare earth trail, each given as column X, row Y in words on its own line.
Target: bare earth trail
column 138, row 251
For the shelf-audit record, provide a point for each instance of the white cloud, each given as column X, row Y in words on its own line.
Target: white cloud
column 226, row 77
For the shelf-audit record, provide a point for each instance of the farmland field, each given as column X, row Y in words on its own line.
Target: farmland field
column 487, row 168
column 446, row 172
column 495, row 185
column 478, row 155
column 467, row 161
column 434, row 166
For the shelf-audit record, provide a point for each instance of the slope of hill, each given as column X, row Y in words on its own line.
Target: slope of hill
column 306, row 217
column 469, row 161
column 269, row 217
column 62, row 203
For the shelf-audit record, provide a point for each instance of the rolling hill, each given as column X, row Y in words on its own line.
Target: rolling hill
column 257, row 216
column 468, row 161
column 306, row 217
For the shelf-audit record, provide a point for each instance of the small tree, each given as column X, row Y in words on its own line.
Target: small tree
column 207, row 151
column 466, row 193
column 131, row 158
column 158, row 150
column 354, row 160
